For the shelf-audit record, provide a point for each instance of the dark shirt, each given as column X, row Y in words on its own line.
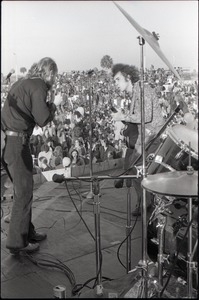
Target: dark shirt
column 26, row 106
column 104, row 152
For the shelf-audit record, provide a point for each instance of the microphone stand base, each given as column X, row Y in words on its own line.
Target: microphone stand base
column 88, row 195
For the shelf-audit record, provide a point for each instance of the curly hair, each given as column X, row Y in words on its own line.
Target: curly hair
column 43, row 68
column 127, row 71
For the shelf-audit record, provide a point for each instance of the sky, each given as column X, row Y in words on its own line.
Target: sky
column 77, row 34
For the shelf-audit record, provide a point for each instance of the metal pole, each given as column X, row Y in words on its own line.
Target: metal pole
column 160, row 226
column 189, row 255
column 96, row 207
column 128, row 231
column 143, row 210
column 90, row 194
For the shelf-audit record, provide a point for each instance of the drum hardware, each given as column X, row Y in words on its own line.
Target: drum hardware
column 174, row 151
column 190, row 263
column 179, row 180
column 160, row 226
column 160, row 208
column 179, row 154
column 150, row 157
column 158, row 159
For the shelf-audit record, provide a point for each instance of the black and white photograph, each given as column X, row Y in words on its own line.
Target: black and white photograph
column 99, row 149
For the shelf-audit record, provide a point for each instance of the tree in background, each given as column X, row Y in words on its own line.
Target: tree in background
column 106, row 62
column 23, row 70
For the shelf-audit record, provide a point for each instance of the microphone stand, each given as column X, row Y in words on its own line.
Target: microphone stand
column 100, row 291
column 90, row 194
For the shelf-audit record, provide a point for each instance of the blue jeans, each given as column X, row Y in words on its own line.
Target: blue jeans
column 17, row 161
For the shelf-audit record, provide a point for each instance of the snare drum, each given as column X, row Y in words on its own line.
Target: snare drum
column 173, row 153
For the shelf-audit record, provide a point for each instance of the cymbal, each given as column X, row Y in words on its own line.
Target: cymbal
column 150, row 38
column 177, row 183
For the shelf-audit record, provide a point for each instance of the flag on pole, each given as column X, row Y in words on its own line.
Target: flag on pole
column 150, row 38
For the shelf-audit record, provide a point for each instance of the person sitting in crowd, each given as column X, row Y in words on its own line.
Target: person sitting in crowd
column 76, row 159
column 44, row 158
column 106, row 150
column 95, row 150
column 56, row 158
column 79, row 146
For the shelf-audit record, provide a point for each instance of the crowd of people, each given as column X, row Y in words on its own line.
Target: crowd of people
column 74, row 118
column 85, row 116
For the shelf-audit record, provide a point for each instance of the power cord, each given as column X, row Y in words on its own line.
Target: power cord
column 52, row 264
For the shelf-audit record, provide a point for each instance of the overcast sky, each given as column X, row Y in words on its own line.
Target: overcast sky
column 77, row 34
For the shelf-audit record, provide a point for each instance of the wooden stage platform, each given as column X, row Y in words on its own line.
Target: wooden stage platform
column 68, row 256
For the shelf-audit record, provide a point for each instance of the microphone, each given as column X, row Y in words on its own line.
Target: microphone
column 58, row 178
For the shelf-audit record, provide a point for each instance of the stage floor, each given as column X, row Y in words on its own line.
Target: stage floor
column 69, row 251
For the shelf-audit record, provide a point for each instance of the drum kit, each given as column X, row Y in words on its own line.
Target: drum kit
column 173, row 177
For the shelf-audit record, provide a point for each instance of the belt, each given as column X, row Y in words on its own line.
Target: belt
column 14, row 133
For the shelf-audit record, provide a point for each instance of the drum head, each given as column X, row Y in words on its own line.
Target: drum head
column 183, row 135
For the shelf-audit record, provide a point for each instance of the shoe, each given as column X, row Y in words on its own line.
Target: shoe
column 37, row 237
column 118, row 183
column 28, row 249
column 137, row 211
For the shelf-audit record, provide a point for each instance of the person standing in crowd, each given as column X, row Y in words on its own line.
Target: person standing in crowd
column 127, row 79
column 26, row 105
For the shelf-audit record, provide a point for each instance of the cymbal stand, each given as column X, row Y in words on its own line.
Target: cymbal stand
column 128, row 231
column 143, row 262
column 190, row 264
column 161, row 225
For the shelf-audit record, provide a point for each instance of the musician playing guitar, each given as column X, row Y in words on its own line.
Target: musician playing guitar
column 127, row 79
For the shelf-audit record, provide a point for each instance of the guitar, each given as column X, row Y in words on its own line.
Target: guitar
column 127, row 129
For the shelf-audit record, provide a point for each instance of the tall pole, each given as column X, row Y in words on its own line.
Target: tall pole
column 90, row 194
column 144, row 216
